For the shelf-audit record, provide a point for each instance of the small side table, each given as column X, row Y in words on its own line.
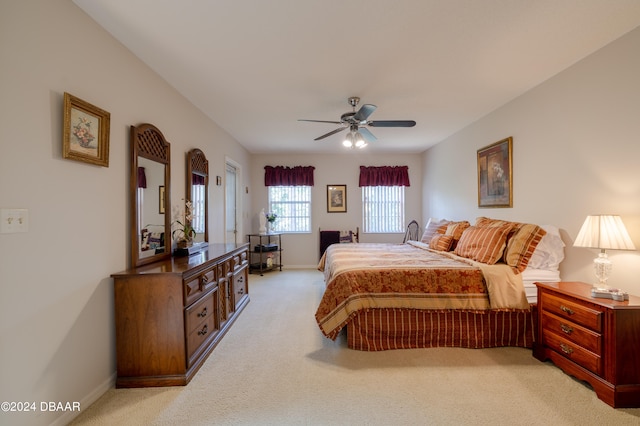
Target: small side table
column 593, row 339
column 265, row 252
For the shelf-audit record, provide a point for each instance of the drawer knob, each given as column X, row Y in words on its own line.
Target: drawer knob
column 566, row 310
column 202, row 313
column 205, row 279
column 204, row 330
column 566, row 348
column 566, row 329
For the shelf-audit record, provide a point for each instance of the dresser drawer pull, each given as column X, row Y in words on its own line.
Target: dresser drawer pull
column 202, row 313
column 566, row 349
column 566, row 329
column 566, row 310
column 204, row 279
column 204, row 330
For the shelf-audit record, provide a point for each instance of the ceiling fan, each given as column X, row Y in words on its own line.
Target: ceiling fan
column 356, row 122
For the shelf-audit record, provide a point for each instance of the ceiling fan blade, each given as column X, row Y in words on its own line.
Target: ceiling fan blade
column 364, row 112
column 367, row 134
column 392, row 123
column 333, row 132
column 322, row 121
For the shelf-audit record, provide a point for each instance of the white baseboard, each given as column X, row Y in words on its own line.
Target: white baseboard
column 300, row 267
column 85, row 402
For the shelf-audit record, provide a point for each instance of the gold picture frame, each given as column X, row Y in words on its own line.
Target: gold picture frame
column 86, row 132
column 495, row 174
column 161, row 199
column 336, row 198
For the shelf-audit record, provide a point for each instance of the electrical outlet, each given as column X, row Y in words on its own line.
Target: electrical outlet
column 14, row 220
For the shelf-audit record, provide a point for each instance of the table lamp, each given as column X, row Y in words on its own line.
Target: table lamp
column 604, row 232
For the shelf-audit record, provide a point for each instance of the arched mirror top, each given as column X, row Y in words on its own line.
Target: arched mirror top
column 198, row 193
column 150, row 195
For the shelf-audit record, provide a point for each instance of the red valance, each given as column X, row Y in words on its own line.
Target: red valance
column 142, row 178
column 197, row 179
column 384, row 176
column 288, row 176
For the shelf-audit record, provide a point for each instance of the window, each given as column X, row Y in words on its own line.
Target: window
column 292, row 205
column 197, row 212
column 383, row 209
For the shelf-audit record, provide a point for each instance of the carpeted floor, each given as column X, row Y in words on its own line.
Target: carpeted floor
column 274, row 367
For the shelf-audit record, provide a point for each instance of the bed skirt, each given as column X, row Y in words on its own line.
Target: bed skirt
column 384, row 329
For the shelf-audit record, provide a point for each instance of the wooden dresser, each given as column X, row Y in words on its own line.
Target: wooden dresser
column 171, row 314
column 593, row 339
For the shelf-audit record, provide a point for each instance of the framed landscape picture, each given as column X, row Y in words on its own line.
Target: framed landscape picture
column 336, row 198
column 495, row 174
column 86, row 132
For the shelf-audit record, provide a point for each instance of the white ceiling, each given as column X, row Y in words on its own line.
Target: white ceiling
column 255, row 66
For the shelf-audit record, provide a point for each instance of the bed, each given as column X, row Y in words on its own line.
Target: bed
column 428, row 293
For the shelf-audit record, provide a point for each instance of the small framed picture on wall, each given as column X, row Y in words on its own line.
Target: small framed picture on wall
column 86, row 132
column 336, row 198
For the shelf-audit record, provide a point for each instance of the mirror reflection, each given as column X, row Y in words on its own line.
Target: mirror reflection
column 198, row 190
column 150, row 195
column 151, row 207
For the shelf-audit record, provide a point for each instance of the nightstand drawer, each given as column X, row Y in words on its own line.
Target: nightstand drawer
column 581, row 336
column 572, row 351
column 579, row 314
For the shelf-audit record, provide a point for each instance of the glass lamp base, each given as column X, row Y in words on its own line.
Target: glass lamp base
column 602, row 266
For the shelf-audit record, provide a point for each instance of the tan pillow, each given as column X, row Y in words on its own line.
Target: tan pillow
column 486, row 221
column 483, row 244
column 521, row 243
column 457, row 228
column 441, row 242
column 434, row 227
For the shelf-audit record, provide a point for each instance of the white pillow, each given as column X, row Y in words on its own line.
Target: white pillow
column 431, row 228
column 549, row 252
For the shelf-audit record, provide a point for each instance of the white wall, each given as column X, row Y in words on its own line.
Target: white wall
column 301, row 250
column 576, row 147
column 56, row 295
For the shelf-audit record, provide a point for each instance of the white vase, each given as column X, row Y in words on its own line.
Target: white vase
column 263, row 222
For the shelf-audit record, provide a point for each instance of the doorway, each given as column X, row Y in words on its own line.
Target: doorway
column 232, row 197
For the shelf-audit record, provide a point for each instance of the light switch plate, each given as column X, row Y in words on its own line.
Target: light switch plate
column 14, row 220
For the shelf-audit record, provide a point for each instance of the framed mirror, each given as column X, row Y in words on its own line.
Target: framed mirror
column 198, row 193
column 150, row 195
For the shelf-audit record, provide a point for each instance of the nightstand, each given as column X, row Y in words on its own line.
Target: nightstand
column 593, row 339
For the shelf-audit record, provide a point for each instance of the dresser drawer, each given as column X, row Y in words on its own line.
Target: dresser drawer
column 573, row 332
column 572, row 351
column 240, row 260
column 195, row 286
column 579, row 314
column 198, row 336
column 201, row 323
column 196, row 314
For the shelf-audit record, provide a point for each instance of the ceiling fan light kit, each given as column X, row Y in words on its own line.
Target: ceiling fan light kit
column 356, row 122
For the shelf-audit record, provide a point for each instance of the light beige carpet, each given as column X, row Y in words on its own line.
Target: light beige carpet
column 274, row 367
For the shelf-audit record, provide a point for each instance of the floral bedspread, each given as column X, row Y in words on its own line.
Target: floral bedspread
column 365, row 276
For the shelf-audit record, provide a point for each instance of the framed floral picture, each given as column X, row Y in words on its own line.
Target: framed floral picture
column 86, row 132
column 495, row 174
column 336, row 198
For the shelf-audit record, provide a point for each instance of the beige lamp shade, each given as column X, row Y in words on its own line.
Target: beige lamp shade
column 606, row 232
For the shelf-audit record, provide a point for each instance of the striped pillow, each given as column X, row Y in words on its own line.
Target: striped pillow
column 441, row 242
column 521, row 241
column 483, row 244
column 457, row 228
column 521, row 244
